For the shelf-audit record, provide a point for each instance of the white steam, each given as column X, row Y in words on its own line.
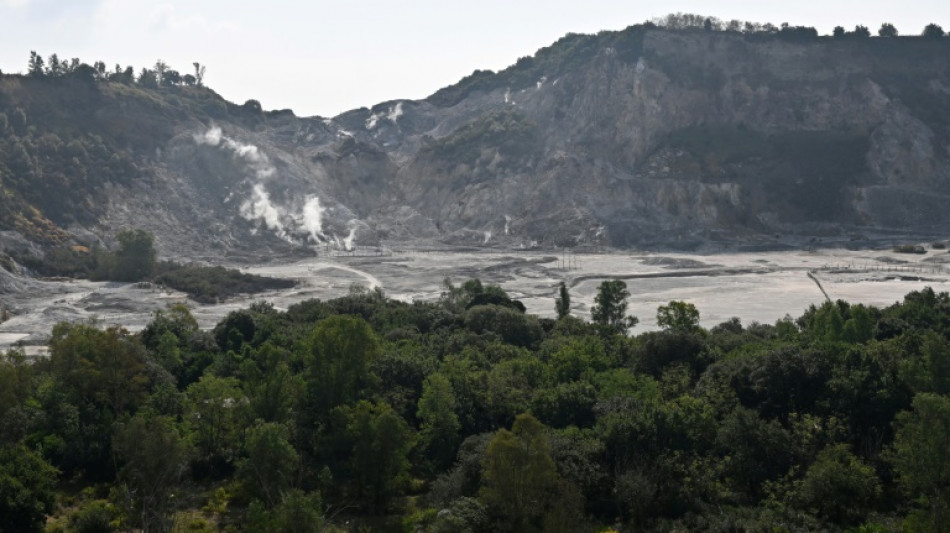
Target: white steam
column 641, row 66
column 211, row 137
column 395, row 113
column 507, row 223
column 350, row 239
column 487, row 237
column 391, row 115
column 259, row 207
column 248, row 152
column 311, row 218
column 296, row 223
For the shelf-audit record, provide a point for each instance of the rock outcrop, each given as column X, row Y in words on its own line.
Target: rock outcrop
column 639, row 137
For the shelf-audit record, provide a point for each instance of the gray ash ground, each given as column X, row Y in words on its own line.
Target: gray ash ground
column 759, row 286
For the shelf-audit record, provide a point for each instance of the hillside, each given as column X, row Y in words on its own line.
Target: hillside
column 642, row 137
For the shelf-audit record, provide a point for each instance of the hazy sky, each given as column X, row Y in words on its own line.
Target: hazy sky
column 323, row 57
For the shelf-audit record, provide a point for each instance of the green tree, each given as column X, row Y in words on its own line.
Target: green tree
column 579, row 358
column 338, row 354
column 859, row 327
column 757, row 450
column 160, row 69
column 156, row 458
column 678, row 316
column 562, row 304
column 839, row 486
column 513, row 326
column 27, row 485
column 929, row 371
column 171, row 77
column 177, row 320
column 35, row 66
column 54, row 68
column 887, row 30
column 610, row 309
column 103, row 367
column 216, row 408
column 271, row 386
column 933, row 31
column 921, row 457
column 439, row 429
column 519, row 477
column 861, row 31
column 148, row 79
column 269, row 469
column 381, row 441
column 16, row 376
column 135, row 259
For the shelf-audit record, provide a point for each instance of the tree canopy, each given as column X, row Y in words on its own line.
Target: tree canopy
column 365, row 412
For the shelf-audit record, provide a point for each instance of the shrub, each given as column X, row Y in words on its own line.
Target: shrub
column 210, row 284
column 909, row 249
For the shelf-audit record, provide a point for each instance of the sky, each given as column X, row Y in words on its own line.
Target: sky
column 323, row 57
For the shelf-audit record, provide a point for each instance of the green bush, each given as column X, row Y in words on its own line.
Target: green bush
column 210, row 284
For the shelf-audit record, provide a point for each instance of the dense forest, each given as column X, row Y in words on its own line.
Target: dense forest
column 467, row 414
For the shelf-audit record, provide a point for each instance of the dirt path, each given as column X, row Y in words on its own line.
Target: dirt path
column 373, row 281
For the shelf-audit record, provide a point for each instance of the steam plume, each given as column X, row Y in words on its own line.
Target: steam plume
column 295, row 223
column 259, row 206
column 311, row 218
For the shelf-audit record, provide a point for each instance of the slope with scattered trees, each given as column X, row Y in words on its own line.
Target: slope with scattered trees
column 681, row 131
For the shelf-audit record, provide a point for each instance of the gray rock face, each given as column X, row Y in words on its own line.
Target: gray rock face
column 640, row 137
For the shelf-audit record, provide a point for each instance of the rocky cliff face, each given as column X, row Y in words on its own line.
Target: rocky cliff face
column 639, row 137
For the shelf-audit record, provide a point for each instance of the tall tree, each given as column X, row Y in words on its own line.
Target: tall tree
column 55, row 68
column 381, row 441
column 921, row 457
column 519, row 478
column 217, row 407
column 338, row 354
column 135, row 259
column 269, row 469
column 156, row 457
column 562, row 304
column 35, row 67
column 160, row 69
column 439, row 435
column 610, row 309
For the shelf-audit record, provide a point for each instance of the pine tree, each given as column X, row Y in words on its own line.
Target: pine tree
column 562, row 303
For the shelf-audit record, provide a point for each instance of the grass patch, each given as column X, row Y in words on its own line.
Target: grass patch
column 909, row 249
